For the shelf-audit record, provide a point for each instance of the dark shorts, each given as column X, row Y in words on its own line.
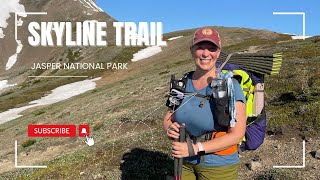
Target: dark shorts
column 197, row 172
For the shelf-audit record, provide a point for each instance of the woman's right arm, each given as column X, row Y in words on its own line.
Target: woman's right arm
column 167, row 121
column 170, row 127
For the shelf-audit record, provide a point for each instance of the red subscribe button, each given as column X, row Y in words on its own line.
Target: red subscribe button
column 52, row 130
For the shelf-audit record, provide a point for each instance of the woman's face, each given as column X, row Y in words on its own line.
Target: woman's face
column 205, row 55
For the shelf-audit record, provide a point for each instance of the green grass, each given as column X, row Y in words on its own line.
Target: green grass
column 38, row 112
column 73, row 56
column 255, row 41
column 178, row 33
column 277, row 174
column 28, row 143
column 306, row 51
column 98, row 125
column 293, row 95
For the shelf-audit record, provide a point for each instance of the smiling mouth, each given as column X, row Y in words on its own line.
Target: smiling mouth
column 205, row 60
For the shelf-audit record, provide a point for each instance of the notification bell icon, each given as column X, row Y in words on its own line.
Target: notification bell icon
column 83, row 131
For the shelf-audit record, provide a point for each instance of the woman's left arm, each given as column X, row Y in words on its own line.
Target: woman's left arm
column 234, row 136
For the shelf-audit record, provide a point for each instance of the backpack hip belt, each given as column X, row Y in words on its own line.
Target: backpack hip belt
column 207, row 137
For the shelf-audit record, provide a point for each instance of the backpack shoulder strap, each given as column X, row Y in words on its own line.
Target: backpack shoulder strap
column 186, row 76
column 184, row 80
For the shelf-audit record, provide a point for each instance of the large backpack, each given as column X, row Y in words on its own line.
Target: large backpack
column 252, row 85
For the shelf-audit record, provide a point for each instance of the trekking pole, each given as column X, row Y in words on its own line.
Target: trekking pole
column 178, row 161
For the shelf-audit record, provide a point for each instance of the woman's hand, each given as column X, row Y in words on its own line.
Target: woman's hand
column 180, row 149
column 173, row 131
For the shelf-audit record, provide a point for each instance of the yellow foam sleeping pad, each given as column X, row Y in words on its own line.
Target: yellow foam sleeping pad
column 247, row 88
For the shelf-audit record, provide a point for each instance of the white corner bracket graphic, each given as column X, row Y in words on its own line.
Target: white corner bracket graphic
column 23, row 13
column 296, row 13
column 303, row 159
column 16, row 159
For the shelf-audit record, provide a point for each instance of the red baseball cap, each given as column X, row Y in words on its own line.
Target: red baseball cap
column 206, row 34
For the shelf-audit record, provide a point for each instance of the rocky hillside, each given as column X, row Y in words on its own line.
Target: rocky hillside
column 57, row 11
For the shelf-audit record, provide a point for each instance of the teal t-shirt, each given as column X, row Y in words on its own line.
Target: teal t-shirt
column 200, row 120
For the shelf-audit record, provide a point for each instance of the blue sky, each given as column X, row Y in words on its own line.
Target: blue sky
column 256, row 14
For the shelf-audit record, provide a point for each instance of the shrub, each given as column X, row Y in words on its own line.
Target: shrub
column 28, row 143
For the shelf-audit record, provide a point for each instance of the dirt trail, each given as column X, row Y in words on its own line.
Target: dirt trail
column 251, row 49
column 284, row 152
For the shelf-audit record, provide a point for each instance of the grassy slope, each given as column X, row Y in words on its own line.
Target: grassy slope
column 136, row 105
column 34, row 88
column 293, row 95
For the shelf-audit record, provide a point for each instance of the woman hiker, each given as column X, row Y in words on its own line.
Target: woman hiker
column 212, row 153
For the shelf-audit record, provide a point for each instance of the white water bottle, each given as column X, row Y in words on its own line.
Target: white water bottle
column 219, row 88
